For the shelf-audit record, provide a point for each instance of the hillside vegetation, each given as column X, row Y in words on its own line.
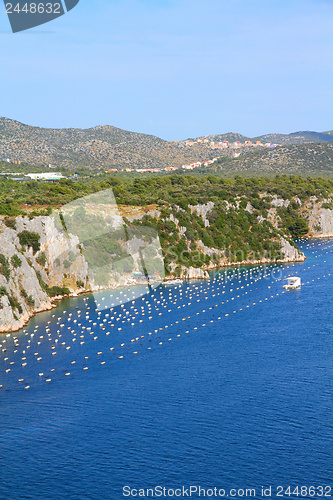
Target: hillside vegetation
column 105, row 147
column 200, row 221
column 286, row 139
column 98, row 147
column 304, row 159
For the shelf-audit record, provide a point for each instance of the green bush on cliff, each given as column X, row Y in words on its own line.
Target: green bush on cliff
column 57, row 290
column 299, row 228
column 30, row 240
column 16, row 261
column 54, row 290
column 41, row 259
column 29, row 299
column 10, row 222
column 12, row 300
column 15, row 303
column 4, row 267
column 71, row 256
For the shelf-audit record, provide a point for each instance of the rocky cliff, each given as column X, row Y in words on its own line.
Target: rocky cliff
column 40, row 262
column 320, row 219
column 31, row 274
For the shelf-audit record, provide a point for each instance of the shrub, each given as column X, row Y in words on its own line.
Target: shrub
column 58, row 290
column 42, row 283
column 16, row 261
column 54, row 290
column 10, row 222
column 4, row 267
column 298, row 228
column 15, row 303
column 41, row 259
column 30, row 301
column 30, row 239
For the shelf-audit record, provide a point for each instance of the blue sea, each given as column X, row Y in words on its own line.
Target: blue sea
column 223, row 384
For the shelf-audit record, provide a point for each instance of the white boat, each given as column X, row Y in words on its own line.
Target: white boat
column 293, row 283
column 176, row 281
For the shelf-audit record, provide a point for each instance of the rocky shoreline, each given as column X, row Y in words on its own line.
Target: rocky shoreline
column 33, row 280
column 192, row 275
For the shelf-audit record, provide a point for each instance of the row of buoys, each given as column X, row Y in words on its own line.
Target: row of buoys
column 239, row 283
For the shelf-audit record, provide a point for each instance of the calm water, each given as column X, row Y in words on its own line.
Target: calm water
column 224, row 384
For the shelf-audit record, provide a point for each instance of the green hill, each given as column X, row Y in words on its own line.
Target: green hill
column 301, row 137
column 229, row 136
column 106, row 147
column 98, row 147
column 303, row 159
column 296, row 138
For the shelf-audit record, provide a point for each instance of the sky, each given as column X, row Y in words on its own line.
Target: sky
column 174, row 68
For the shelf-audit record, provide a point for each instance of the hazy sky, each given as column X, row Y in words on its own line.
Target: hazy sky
column 174, row 68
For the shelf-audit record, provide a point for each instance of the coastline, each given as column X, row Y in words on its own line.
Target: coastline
column 24, row 320
column 41, row 278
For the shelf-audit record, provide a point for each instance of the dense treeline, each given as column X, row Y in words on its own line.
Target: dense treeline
column 238, row 223
column 17, row 198
column 184, row 189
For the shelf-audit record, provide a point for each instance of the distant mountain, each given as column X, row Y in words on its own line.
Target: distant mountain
column 105, row 147
column 229, row 136
column 98, row 147
column 296, row 137
column 293, row 138
column 314, row 159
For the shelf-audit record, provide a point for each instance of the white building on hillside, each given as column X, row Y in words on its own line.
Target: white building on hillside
column 49, row 176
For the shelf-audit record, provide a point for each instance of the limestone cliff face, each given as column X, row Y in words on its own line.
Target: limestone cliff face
column 56, row 245
column 320, row 219
column 33, row 277
column 28, row 275
column 203, row 210
column 193, row 273
column 290, row 253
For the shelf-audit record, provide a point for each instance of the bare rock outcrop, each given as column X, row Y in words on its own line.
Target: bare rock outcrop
column 27, row 275
column 193, row 273
column 203, row 210
column 321, row 221
column 290, row 253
